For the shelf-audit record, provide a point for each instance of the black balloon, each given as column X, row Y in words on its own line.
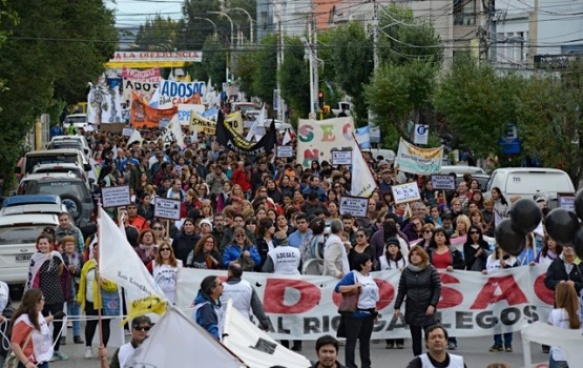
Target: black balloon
column 578, row 243
column 562, row 225
column 525, row 215
column 579, row 204
column 510, row 240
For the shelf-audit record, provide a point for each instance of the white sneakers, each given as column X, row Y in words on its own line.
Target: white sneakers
column 88, row 352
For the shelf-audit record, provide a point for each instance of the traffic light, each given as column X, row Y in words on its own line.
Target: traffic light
column 320, row 99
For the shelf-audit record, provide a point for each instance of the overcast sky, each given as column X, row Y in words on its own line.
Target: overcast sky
column 135, row 12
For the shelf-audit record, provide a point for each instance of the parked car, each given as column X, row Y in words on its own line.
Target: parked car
column 56, row 156
column 31, row 199
column 74, row 194
column 18, row 235
column 461, row 170
column 74, row 169
column 36, row 176
column 33, row 209
column 78, row 120
column 72, row 140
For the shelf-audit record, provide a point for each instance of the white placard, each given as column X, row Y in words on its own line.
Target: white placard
column 356, row 206
column 341, row 157
column 115, row 196
column 127, row 132
column 566, row 201
column 167, row 209
column 421, row 134
column 443, row 182
column 404, row 193
column 284, row 151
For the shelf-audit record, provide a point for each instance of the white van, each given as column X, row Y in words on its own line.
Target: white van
column 528, row 182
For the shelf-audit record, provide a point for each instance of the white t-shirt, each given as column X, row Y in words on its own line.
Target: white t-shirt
column 369, row 293
column 558, row 318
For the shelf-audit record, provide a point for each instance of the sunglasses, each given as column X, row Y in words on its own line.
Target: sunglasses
column 239, row 236
column 165, row 250
column 157, row 228
column 474, row 232
column 142, row 328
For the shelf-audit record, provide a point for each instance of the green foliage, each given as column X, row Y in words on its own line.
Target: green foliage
column 477, row 103
column 158, row 34
column 265, row 76
column 245, row 68
column 214, row 60
column 295, row 77
column 549, row 119
column 241, row 18
column 194, row 31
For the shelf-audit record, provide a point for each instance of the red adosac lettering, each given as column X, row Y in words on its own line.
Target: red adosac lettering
column 509, row 291
column 274, row 297
column 449, row 297
column 545, row 294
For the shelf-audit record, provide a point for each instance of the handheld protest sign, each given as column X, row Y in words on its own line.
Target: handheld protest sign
column 443, row 182
column 356, row 206
column 284, row 151
column 566, row 201
column 406, row 193
column 115, row 196
column 341, row 157
column 168, row 209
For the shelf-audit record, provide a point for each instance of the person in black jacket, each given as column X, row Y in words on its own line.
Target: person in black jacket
column 476, row 250
column 264, row 240
column 421, row 285
column 564, row 269
column 185, row 240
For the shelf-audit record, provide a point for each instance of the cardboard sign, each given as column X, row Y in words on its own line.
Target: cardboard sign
column 443, row 182
column 566, row 201
column 115, row 196
column 167, row 209
column 341, row 158
column 111, row 127
column 284, row 151
column 404, row 193
column 356, row 206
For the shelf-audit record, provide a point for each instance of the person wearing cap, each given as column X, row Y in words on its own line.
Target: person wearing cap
column 244, row 297
column 140, row 327
column 206, row 227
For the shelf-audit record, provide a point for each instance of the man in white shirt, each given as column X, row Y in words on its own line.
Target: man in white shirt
column 140, row 327
column 437, row 355
column 283, row 259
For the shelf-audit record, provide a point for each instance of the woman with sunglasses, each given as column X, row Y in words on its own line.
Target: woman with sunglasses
column 159, row 231
column 427, row 236
column 362, row 246
column 476, row 250
column 241, row 249
column 165, row 270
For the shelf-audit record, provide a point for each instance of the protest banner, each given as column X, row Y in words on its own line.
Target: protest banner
column 111, row 127
column 103, row 104
column 341, row 157
column 185, row 112
column 199, row 124
column 144, row 89
column 317, row 139
column 167, row 209
column 471, row 305
column 142, row 115
column 150, row 75
column 173, row 93
column 362, row 182
column 115, row 196
column 405, row 193
column 566, row 201
column 415, row 160
column 355, row 206
column 284, row 151
column 443, row 182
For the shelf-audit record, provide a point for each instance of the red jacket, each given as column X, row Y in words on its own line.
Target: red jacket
column 139, row 223
column 240, row 177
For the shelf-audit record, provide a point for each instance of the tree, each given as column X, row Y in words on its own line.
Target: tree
column 240, row 18
column 549, row 119
column 265, row 76
column 194, row 31
column 476, row 103
column 352, row 58
column 245, row 69
column 158, row 34
column 294, row 77
column 214, row 59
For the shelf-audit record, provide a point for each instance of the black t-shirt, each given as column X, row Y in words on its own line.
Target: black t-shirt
column 416, row 363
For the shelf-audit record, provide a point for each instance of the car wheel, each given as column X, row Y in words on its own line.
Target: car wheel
column 73, row 206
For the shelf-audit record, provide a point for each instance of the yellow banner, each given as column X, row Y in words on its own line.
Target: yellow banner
column 201, row 125
column 146, row 64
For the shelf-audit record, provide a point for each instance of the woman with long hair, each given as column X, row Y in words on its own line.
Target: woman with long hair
column 393, row 259
column 206, row 209
column 362, row 246
column 462, row 226
column 477, row 219
column 333, row 210
column 165, row 270
column 550, row 251
column 191, row 202
column 359, row 324
column 501, row 205
column 241, row 248
column 565, row 316
column 45, row 270
column 29, row 330
column 90, row 296
column 264, row 240
column 420, row 285
column 224, row 197
column 476, row 250
column 159, row 230
column 283, row 225
column 273, row 191
column 205, row 254
column 185, row 240
column 146, row 249
column 145, row 207
column 428, row 231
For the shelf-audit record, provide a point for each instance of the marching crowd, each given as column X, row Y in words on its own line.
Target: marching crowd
column 247, row 213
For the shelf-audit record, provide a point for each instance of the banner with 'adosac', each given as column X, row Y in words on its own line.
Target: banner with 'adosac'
column 471, row 304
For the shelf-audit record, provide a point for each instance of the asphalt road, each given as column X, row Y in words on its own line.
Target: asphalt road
column 474, row 350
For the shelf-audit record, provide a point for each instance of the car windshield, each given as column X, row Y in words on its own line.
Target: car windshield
column 57, row 169
column 62, row 187
column 16, row 234
column 66, row 144
column 32, row 161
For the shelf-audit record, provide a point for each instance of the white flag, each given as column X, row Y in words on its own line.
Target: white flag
column 171, row 342
column 135, row 137
column 120, row 263
column 173, row 132
column 286, row 138
column 155, row 99
column 363, row 183
column 257, row 130
column 254, row 346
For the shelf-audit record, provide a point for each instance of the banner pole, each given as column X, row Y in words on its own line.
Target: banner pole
column 167, row 229
column 97, row 277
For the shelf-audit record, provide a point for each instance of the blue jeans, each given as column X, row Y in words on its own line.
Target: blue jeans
column 557, row 363
column 507, row 339
column 74, row 311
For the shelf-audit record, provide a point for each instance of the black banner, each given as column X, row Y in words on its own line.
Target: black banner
column 228, row 137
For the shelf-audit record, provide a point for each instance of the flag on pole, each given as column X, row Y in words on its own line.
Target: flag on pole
column 119, row 262
column 257, row 130
column 173, row 132
column 287, row 137
column 135, row 137
column 363, row 137
column 363, row 183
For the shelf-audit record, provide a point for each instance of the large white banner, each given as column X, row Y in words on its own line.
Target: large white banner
column 317, row 139
column 143, row 88
column 472, row 304
column 415, row 160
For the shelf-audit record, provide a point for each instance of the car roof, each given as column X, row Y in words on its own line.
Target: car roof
column 57, row 178
column 31, row 199
column 66, row 165
column 31, row 208
column 60, row 175
column 460, row 168
column 36, row 218
column 55, row 151
column 529, row 170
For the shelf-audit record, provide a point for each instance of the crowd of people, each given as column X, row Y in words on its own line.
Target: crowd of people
column 245, row 213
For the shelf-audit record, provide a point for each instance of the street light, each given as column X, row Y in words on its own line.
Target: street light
column 250, row 21
column 207, row 19
column 230, row 58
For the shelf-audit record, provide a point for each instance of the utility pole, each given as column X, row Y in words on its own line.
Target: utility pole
column 280, row 56
column 310, row 49
column 493, row 32
column 375, row 33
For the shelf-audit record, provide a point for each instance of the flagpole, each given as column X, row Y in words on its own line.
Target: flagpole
column 99, row 299
column 368, row 167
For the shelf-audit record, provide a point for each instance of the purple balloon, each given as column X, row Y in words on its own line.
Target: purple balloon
column 510, row 240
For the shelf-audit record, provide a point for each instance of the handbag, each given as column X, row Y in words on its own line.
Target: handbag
column 349, row 302
column 11, row 358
